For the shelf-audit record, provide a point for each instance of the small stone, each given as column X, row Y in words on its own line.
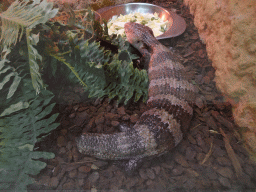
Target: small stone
column 69, row 185
column 206, row 183
column 99, row 128
column 115, row 123
column 72, row 115
column 99, row 120
column 91, row 124
column 54, row 182
column 61, row 141
column 225, row 182
column 82, row 109
column 222, row 120
column 44, row 180
column 62, row 150
column 150, row 173
column 75, row 154
column 92, row 109
column 192, row 172
column 200, row 157
column 84, row 169
column 206, row 80
column 61, row 173
column 60, row 160
column 69, row 156
column 80, row 182
column 211, row 123
column 134, row 118
column 217, row 151
column 73, row 173
column 121, row 110
column 143, row 174
column 249, row 170
column 199, row 78
column 107, row 173
column 94, row 177
column 101, row 109
column 130, row 182
column 56, row 170
column 210, row 173
column 81, row 175
column 246, row 180
column 76, row 107
column 69, row 145
column 94, row 167
column 81, row 118
column 225, row 172
column 149, row 182
column 71, row 167
column 201, row 53
column 100, row 163
column 64, row 132
column 224, row 161
column 201, row 142
column 189, row 184
column 211, row 74
column 191, row 140
column 168, row 165
column 126, row 117
column 156, row 169
column 108, row 108
column 199, row 102
column 177, row 171
column 97, row 102
column 180, row 159
column 195, row 36
column 190, row 154
column 111, row 116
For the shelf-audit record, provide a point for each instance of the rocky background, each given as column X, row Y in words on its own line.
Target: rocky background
column 228, row 28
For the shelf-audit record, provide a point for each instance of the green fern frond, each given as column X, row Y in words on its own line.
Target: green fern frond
column 125, row 81
column 63, row 60
column 25, row 14
column 89, row 61
column 8, row 72
column 19, row 133
column 109, row 76
column 34, row 56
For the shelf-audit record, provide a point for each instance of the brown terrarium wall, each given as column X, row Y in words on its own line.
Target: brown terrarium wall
column 228, row 28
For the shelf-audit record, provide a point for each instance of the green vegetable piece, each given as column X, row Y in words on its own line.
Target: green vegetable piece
column 117, row 28
column 163, row 29
column 134, row 20
column 143, row 22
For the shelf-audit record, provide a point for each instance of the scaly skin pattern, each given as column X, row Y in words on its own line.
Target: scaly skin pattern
column 161, row 127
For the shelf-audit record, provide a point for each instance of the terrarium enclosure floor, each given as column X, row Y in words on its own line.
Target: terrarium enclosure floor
column 207, row 158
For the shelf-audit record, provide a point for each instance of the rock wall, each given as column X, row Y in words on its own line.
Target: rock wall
column 228, row 28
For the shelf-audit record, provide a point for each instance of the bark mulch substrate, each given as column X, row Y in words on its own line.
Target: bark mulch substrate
column 209, row 158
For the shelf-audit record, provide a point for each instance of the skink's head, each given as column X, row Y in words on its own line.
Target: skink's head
column 138, row 35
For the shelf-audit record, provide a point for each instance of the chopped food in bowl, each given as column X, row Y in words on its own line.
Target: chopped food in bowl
column 157, row 24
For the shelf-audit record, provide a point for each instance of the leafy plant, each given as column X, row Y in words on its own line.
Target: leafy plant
column 26, row 15
column 19, row 134
column 35, row 48
column 23, row 111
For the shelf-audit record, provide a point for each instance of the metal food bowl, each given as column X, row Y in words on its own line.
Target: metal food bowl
column 176, row 25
